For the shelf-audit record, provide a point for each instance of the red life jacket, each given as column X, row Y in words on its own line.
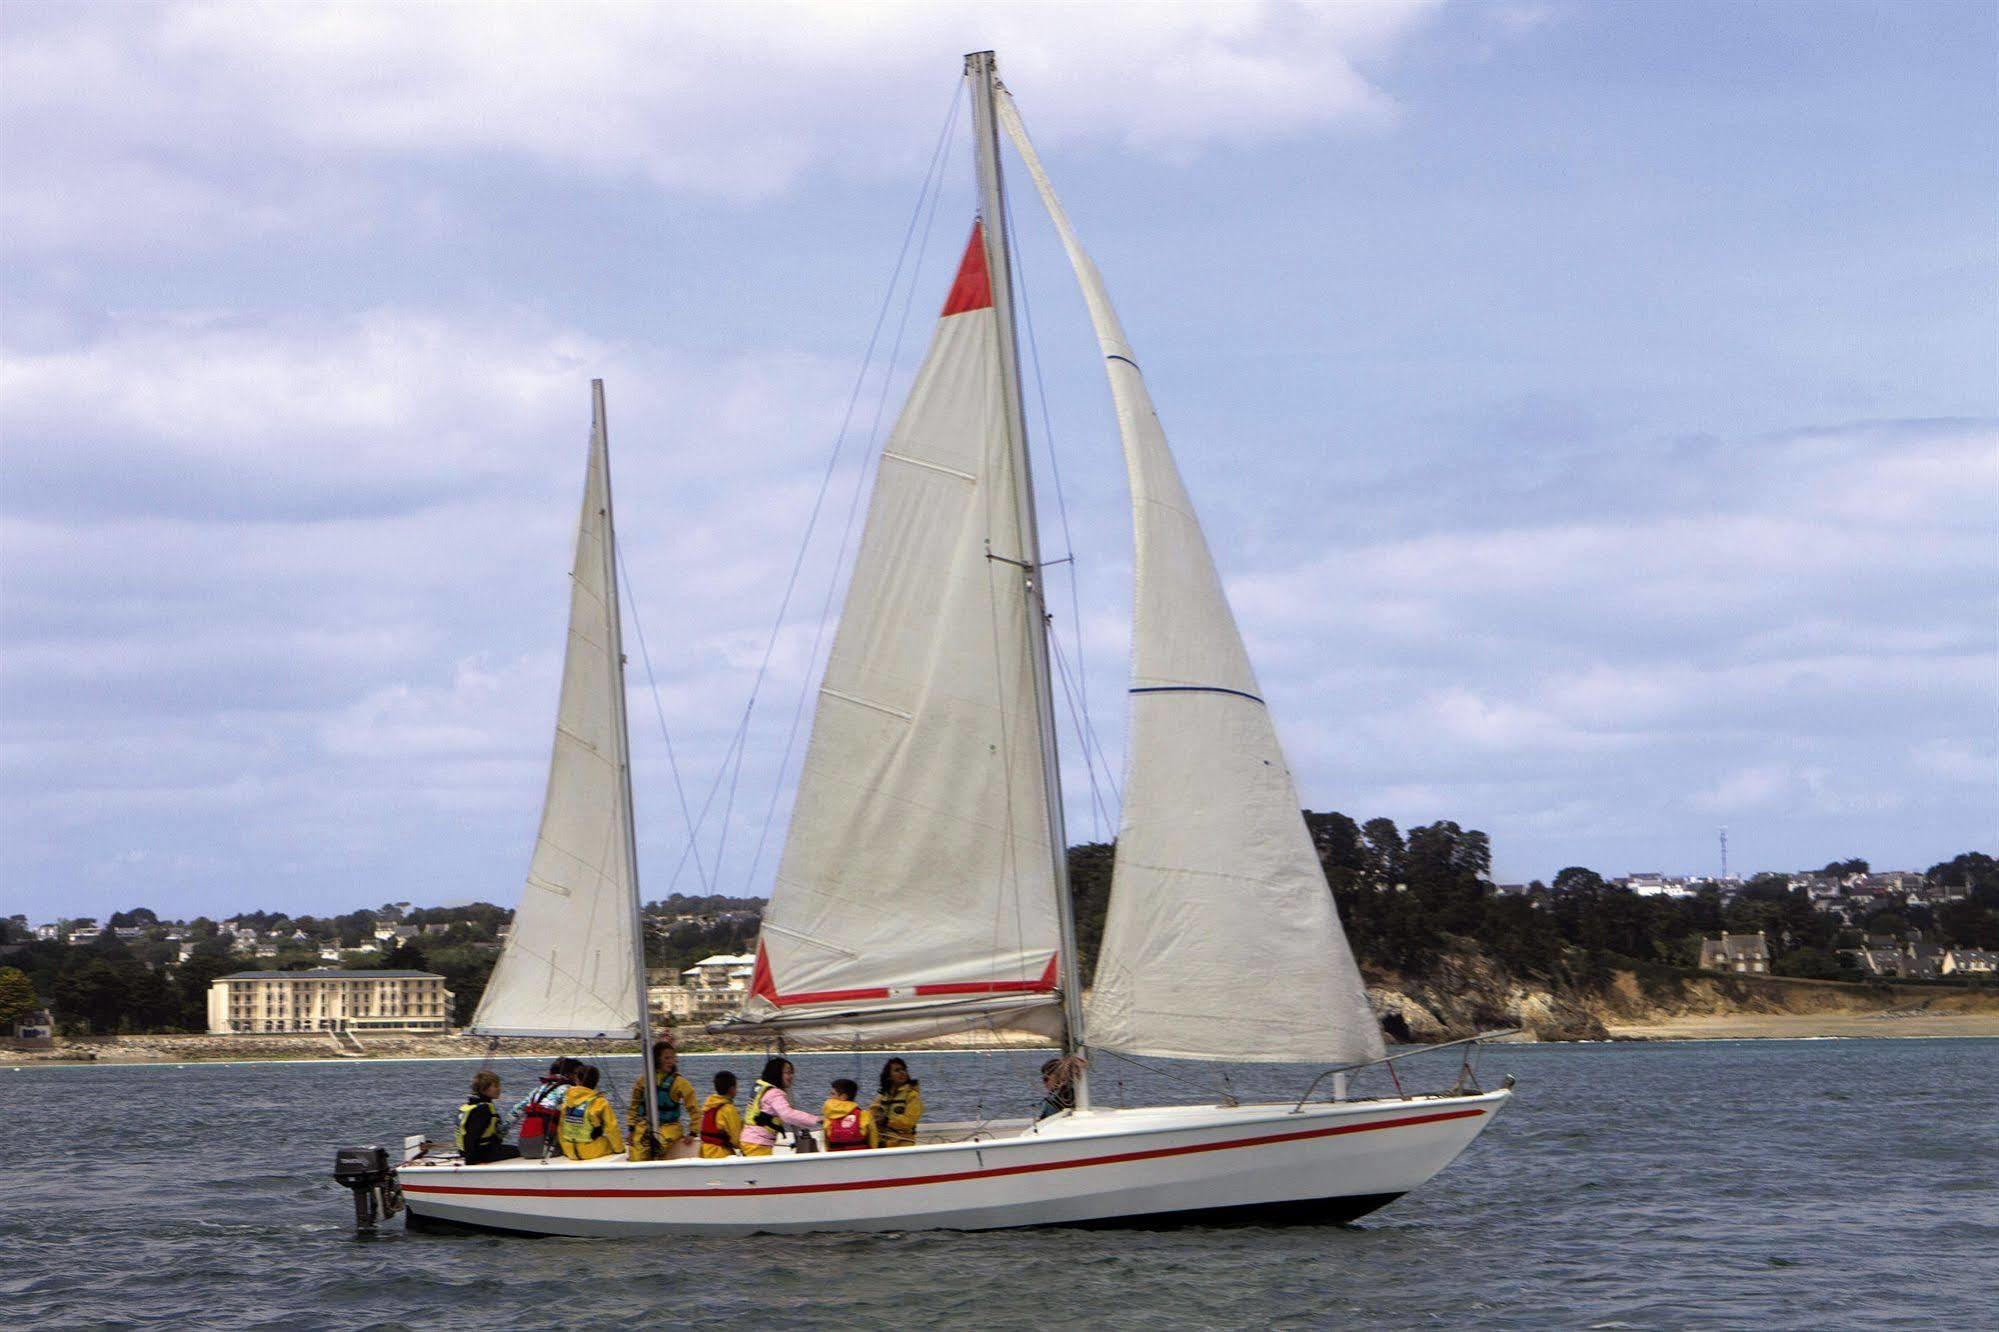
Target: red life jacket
column 539, row 1119
column 845, row 1134
column 711, row 1129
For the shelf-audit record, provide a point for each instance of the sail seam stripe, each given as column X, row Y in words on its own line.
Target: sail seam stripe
column 864, row 703
column 1194, row 689
column 1113, row 356
column 935, row 467
column 953, row 1177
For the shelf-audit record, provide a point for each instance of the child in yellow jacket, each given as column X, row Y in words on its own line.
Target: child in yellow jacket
column 721, row 1122
column 677, row 1111
column 588, row 1128
column 849, row 1128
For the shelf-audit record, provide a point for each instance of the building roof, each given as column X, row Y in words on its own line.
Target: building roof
column 333, row 973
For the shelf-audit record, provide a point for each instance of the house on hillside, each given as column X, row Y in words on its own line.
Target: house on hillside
column 1969, row 962
column 34, row 1031
column 1746, row 954
column 1914, row 960
column 711, row 988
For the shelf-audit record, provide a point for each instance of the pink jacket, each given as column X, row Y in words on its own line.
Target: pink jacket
column 775, row 1102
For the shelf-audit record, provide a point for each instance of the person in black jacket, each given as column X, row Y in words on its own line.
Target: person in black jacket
column 482, row 1137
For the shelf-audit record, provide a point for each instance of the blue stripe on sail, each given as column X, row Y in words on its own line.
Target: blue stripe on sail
column 1194, row 689
column 1113, row 356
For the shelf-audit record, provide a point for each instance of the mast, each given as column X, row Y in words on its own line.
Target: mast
column 979, row 70
column 602, row 431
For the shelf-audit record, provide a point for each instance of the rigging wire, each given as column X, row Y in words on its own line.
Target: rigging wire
column 1167, row 1073
column 672, row 762
column 738, row 744
column 938, row 165
column 1076, row 716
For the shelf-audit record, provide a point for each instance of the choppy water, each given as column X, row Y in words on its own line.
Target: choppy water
column 1767, row 1184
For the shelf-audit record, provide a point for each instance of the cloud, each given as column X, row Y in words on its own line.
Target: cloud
column 299, row 585
column 237, row 120
column 1790, row 629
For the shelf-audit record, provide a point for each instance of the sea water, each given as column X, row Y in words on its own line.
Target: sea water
column 1766, row 1184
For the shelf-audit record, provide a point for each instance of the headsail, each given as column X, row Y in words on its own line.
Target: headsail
column 1221, row 940
column 568, row 967
column 915, row 895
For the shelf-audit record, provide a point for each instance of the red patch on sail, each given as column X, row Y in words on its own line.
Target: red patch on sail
column 764, row 986
column 973, row 289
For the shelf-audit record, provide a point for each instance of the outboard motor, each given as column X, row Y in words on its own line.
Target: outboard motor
column 365, row 1171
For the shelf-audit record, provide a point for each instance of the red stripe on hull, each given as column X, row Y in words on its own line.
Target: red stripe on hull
column 954, row 1177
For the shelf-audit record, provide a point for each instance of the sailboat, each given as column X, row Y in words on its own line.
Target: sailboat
column 923, row 887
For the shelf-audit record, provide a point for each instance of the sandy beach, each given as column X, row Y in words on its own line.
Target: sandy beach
column 1806, row 1026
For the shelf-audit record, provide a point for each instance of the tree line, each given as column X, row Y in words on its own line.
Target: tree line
column 1403, row 896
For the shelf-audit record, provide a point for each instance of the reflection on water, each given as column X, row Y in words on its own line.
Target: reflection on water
column 1776, row 1184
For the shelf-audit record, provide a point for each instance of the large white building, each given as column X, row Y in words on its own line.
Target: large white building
column 328, row 999
column 711, row 988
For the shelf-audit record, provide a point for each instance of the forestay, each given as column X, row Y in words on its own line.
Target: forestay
column 568, row 967
column 1221, row 940
column 915, row 894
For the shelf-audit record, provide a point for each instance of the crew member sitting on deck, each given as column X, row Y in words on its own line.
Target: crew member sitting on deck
column 674, row 1095
column 771, row 1109
column 589, row 1123
column 1061, row 1091
column 848, row 1127
column 480, row 1136
column 721, row 1122
column 899, row 1106
column 540, row 1111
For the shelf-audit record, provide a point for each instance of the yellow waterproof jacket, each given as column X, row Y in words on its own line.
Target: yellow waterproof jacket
column 588, row 1128
column 721, row 1128
column 840, row 1108
column 678, row 1112
column 897, row 1113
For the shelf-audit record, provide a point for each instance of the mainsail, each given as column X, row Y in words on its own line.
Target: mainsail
column 1221, row 939
column 916, row 891
column 569, row 967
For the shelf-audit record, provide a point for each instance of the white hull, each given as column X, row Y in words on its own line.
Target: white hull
column 1327, row 1162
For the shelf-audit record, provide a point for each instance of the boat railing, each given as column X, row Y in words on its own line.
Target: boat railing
column 1466, row 1084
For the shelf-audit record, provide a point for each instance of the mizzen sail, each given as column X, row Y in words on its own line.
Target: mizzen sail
column 915, row 895
column 569, row 967
column 1221, row 939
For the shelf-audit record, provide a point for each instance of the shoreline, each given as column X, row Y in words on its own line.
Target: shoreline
column 1687, row 1028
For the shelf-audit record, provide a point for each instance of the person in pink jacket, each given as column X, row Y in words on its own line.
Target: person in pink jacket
column 771, row 1109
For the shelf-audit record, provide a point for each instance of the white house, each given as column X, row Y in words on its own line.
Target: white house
column 710, row 988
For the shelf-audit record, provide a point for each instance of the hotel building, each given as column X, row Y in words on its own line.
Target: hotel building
column 328, row 999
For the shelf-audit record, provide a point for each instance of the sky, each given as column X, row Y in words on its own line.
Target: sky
column 1593, row 410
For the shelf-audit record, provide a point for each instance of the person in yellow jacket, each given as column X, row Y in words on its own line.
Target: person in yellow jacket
column 848, row 1127
column 588, row 1128
column 677, row 1111
column 721, row 1122
column 899, row 1106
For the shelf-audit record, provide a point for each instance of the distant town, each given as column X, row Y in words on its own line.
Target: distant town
column 404, row 969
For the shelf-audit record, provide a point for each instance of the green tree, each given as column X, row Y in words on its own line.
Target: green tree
column 17, row 997
column 404, row 957
column 1090, row 895
column 192, row 979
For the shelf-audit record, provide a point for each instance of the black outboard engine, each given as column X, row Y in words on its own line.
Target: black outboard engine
column 365, row 1170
